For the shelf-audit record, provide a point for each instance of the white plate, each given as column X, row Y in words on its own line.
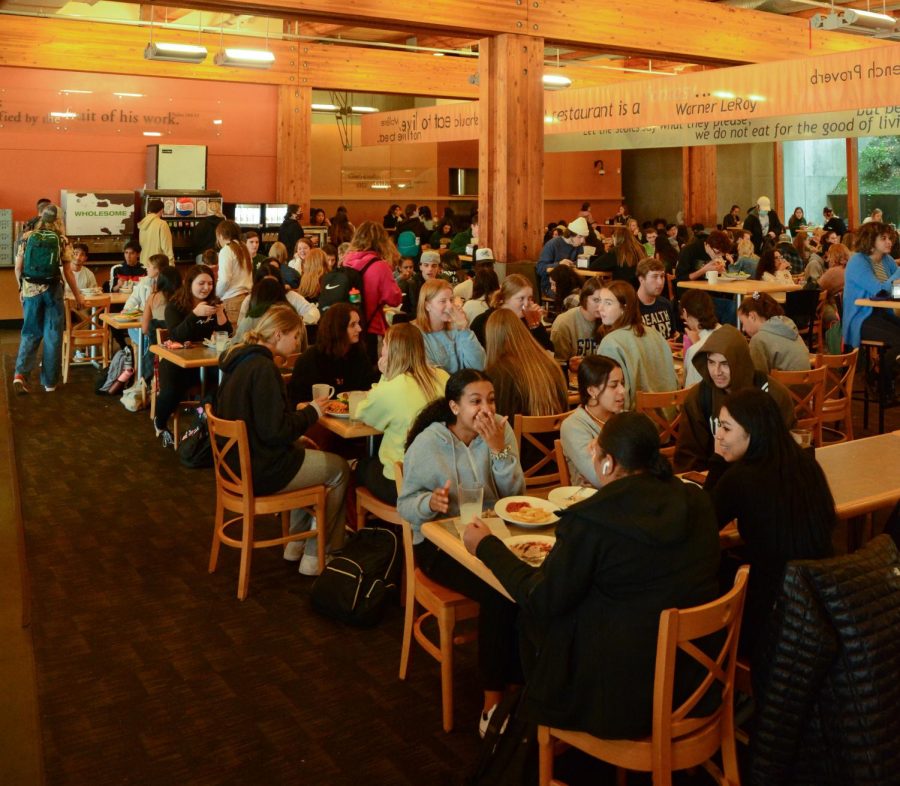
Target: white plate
column 517, row 540
column 535, row 502
column 338, row 415
column 563, row 497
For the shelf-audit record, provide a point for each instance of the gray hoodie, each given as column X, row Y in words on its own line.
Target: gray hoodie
column 436, row 455
column 778, row 347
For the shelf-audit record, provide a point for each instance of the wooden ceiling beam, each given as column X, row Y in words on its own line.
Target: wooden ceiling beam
column 679, row 29
column 74, row 46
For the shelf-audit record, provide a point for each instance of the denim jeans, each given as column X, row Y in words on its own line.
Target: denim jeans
column 44, row 320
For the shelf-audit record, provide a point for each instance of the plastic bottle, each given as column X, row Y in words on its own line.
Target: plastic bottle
column 354, row 296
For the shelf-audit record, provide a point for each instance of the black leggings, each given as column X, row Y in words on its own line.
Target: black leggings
column 498, row 646
column 370, row 474
column 882, row 325
column 174, row 383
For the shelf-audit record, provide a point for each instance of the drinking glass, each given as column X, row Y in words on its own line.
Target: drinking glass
column 470, row 502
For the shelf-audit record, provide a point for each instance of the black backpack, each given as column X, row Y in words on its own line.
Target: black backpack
column 42, row 253
column 194, row 447
column 337, row 284
column 509, row 751
column 354, row 586
column 113, row 379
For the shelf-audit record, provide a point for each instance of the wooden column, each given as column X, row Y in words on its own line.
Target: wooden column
column 778, row 194
column 853, row 217
column 292, row 148
column 698, row 184
column 511, row 146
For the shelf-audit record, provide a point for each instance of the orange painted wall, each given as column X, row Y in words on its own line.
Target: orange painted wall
column 103, row 146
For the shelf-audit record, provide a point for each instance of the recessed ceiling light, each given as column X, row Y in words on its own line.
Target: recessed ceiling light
column 63, row 114
column 129, row 95
column 217, row 122
column 80, row 92
column 723, row 94
column 152, row 133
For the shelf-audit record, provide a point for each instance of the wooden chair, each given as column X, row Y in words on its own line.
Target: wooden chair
column 670, row 286
column 678, row 741
column 234, row 493
column 564, row 478
column 527, row 428
column 665, row 410
column 84, row 329
column 807, row 389
column 446, row 606
column 367, row 503
column 162, row 335
column 837, row 406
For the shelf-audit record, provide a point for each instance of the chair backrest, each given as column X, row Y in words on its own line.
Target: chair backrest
column 679, row 630
column 665, row 410
column 224, row 437
column 409, row 559
column 162, row 335
column 801, row 306
column 838, row 379
column 527, row 428
column 564, row 478
column 807, row 389
column 86, row 326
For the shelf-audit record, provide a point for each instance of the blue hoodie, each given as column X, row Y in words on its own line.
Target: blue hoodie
column 860, row 282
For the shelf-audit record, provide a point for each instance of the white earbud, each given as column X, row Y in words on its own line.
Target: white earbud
column 607, row 465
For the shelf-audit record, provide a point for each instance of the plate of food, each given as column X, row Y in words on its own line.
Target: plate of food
column 531, row 549
column 526, row 511
column 739, row 276
column 569, row 495
column 337, row 408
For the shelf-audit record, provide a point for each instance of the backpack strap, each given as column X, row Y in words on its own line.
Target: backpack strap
column 362, row 281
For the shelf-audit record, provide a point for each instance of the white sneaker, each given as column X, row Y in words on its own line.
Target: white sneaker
column 294, row 550
column 309, row 564
column 49, row 388
column 79, row 355
column 485, row 720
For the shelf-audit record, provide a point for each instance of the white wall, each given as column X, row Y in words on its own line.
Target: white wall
column 812, row 169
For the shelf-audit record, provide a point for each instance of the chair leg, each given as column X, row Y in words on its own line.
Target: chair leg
column 175, row 427
column 446, row 622
column 321, row 530
column 360, row 513
column 216, row 543
column 67, row 351
column 545, row 756
column 246, row 557
column 285, row 523
column 407, row 636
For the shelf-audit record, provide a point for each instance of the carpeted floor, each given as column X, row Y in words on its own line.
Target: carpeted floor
column 150, row 671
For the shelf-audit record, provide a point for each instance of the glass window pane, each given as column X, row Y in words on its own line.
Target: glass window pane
column 815, row 175
column 879, row 178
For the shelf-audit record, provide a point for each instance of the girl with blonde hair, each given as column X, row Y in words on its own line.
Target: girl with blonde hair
column 281, row 459
column 314, row 268
column 449, row 343
column 527, row 381
column 516, row 294
column 235, row 275
column 407, row 385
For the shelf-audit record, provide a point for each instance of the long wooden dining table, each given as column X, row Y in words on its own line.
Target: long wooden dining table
column 855, row 472
column 195, row 356
column 739, row 288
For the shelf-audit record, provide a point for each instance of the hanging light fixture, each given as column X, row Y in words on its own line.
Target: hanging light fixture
column 246, row 58
column 172, row 52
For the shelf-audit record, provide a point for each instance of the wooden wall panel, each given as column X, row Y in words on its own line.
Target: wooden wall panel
column 293, row 141
column 698, row 183
column 853, row 217
column 511, row 146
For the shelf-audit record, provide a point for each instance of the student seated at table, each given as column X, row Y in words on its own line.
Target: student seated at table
column 484, row 284
column 193, row 314
column 154, row 316
column 698, row 314
column 779, row 496
column 84, row 276
column 565, row 285
column 449, row 343
column 601, row 389
column 872, row 271
column 774, row 268
column 407, row 385
column 138, row 298
column 775, row 343
column 460, row 440
column 527, row 381
column 338, row 358
column 281, row 459
column 516, row 294
column 644, row 355
column 266, row 292
column 309, row 311
column 725, row 367
column 574, row 333
column 644, row 543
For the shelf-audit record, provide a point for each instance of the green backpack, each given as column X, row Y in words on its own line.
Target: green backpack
column 42, row 251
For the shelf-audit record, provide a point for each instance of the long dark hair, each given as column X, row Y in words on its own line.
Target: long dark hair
column 266, row 292
column 633, row 441
column 805, row 508
column 438, row 411
column 183, row 299
column 331, row 336
column 594, row 371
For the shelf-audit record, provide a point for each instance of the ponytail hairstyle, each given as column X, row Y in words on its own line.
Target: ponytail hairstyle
column 280, row 318
column 594, row 371
column 438, row 411
column 228, row 233
column 805, row 507
column 632, row 440
column 168, row 281
column 762, row 304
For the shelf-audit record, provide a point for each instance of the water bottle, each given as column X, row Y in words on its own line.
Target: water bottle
column 354, row 296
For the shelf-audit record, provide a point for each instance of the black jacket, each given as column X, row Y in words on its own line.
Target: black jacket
column 252, row 390
column 753, row 225
column 591, row 612
column 827, row 692
column 692, row 257
column 204, row 235
column 351, row 372
column 189, row 327
column 289, row 233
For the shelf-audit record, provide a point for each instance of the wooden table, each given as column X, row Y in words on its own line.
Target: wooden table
column 115, row 298
column 862, row 474
column 585, row 273
column 195, row 356
column 349, row 429
column 864, row 301
column 739, row 288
